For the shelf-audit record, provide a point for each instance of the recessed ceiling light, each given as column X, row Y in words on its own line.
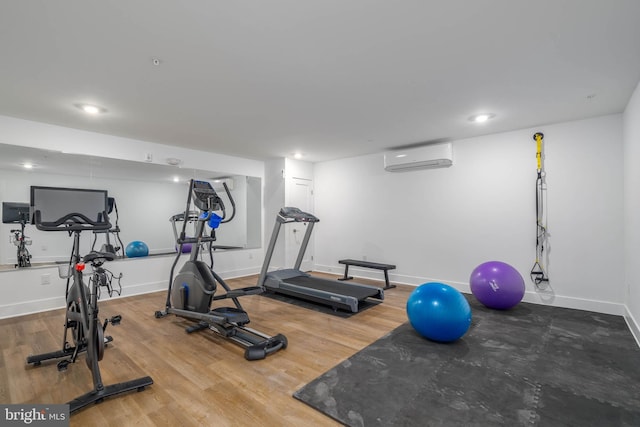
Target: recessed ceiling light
column 297, row 156
column 27, row 165
column 481, row 118
column 91, row 109
column 176, row 179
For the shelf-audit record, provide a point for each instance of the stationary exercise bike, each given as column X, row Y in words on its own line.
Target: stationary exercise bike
column 21, row 241
column 193, row 289
column 18, row 213
column 83, row 331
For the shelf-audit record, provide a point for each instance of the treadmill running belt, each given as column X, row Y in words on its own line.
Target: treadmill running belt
column 333, row 286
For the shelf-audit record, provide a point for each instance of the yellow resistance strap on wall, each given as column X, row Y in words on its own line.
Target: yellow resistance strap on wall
column 538, row 273
column 537, row 137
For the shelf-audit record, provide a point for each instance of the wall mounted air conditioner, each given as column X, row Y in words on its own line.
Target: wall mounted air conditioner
column 425, row 157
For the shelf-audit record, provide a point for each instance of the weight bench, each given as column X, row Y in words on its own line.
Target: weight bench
column 367, row 264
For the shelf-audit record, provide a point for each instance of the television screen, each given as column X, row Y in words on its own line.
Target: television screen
column 55, row 203
column 14, row 212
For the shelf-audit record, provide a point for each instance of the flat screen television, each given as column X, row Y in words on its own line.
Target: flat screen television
column 15, row 212
column 55, row 203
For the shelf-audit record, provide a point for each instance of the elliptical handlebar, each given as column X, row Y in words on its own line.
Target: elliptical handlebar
column 233, row 205
column 203, row 239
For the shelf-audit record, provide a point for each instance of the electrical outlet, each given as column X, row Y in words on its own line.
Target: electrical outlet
column 45, row 279
column 148, row 157
column 364, row 257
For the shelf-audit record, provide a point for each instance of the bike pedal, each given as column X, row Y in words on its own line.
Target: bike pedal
column 115, row 320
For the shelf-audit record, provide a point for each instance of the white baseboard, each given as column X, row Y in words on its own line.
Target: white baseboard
column 31, row 307
column 633, row 324
column 42, row 305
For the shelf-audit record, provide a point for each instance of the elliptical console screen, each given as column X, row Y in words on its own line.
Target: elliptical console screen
column 206, row 197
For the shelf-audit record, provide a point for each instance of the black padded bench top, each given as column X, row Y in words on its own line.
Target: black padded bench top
column 367, row 264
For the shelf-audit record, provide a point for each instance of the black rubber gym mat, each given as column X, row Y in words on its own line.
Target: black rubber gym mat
column 530, row 366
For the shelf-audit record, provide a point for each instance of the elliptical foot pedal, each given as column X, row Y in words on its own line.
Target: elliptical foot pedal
column 232, row 315
column 195, row 328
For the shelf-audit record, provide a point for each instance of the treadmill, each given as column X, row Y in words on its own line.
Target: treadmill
column 296, row 283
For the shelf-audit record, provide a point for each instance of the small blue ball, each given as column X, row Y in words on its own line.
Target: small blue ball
column 439, row 312
column 136, row 249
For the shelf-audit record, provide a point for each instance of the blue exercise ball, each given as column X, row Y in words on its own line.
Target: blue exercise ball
column 136, row 249
column 439, row 312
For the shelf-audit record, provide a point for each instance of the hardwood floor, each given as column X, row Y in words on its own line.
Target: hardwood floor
column 200, row 379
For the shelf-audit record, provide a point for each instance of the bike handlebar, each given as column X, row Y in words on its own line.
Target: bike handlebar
column 72, row 222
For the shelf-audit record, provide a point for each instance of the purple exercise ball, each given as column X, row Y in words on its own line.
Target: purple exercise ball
column 497, row 285
column 186, row 248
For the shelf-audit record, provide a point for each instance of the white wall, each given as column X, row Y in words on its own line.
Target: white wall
column 631, row 132
column 433, row 224
column 21, row 291
column 440, row 224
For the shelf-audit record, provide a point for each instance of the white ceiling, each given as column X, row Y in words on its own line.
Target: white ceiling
column 330, row 78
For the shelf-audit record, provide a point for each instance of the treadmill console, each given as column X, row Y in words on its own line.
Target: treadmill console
column 295, row 214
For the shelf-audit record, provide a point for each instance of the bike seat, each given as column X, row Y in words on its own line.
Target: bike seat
column 94, row 255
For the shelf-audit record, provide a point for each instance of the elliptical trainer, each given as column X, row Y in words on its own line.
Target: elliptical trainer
column 192, row 292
